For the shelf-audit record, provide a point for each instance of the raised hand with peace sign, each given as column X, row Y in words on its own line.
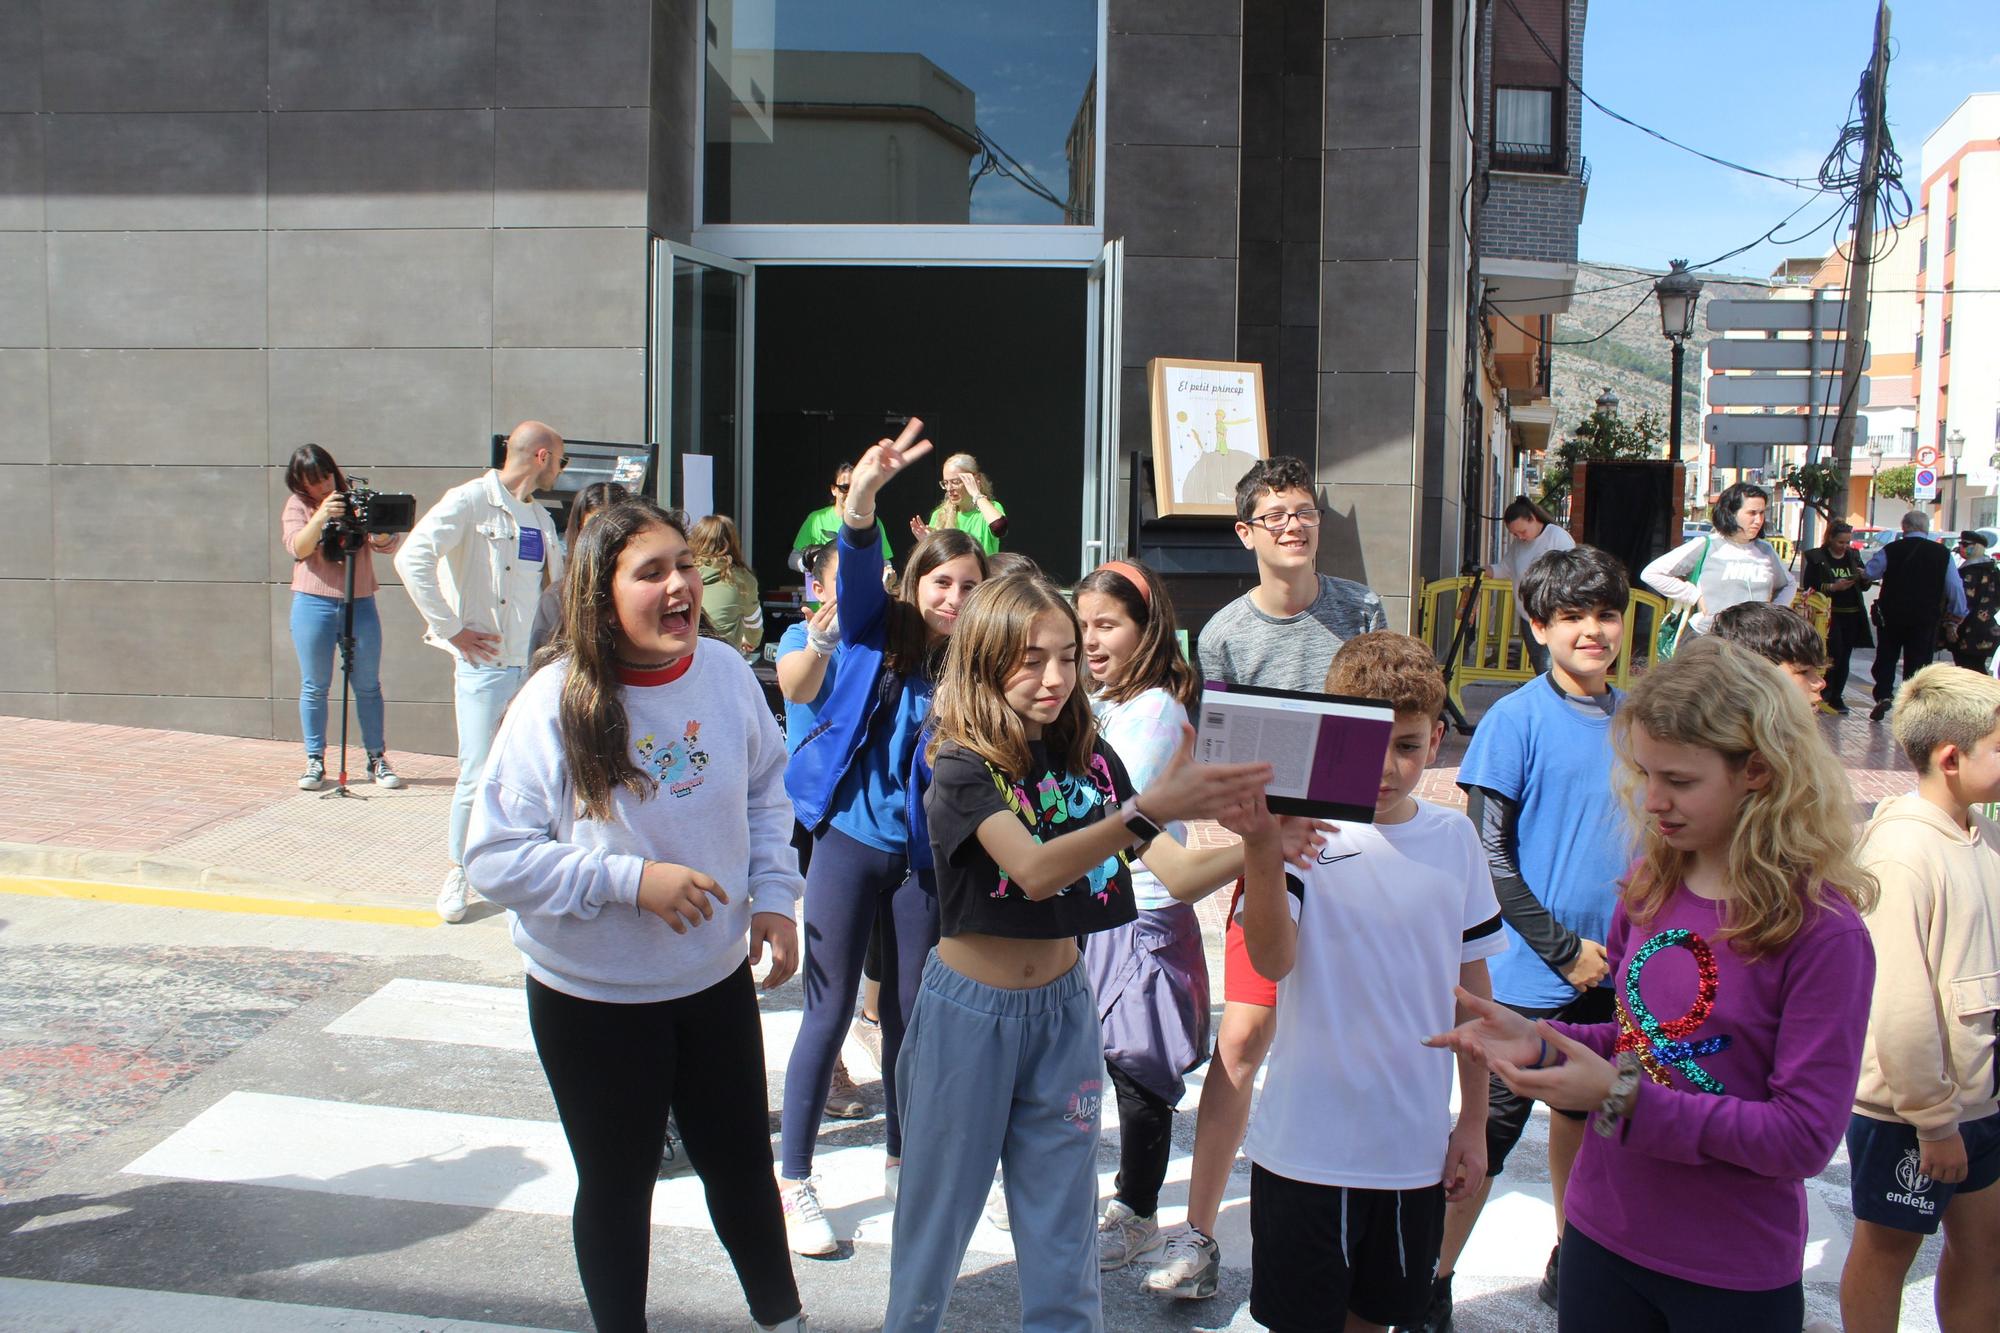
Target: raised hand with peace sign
column 881, row 463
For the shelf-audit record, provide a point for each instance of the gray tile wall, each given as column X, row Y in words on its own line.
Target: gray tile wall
column 1173, row 94
column 319, row 222
column 1376, row 359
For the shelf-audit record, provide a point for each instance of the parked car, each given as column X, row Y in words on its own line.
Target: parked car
column 1692, row 528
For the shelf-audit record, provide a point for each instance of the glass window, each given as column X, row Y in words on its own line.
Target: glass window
column 900, row 111
column 1523, row 122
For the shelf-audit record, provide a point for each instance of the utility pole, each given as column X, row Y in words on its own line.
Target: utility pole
column 1864, row 255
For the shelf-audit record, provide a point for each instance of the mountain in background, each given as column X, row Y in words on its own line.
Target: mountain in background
column 1633, row 360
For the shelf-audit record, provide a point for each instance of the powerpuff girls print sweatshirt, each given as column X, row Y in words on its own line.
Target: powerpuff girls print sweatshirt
column 571, row 885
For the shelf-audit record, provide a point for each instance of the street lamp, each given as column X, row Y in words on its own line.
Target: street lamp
column 1607, row 402
column 1877, row 446
column 1678, row 292
column 1954, row 449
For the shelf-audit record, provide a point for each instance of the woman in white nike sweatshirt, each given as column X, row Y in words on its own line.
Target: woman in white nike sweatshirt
column 633, row 820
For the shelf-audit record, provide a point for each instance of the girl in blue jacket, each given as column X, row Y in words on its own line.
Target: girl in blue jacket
column 855, row 781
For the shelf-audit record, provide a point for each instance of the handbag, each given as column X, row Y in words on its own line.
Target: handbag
column 1673, row 625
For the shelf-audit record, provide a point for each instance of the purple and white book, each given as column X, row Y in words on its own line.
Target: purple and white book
column 1326, row 749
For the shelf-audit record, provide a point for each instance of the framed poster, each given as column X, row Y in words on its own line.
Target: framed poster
column 1208, row 429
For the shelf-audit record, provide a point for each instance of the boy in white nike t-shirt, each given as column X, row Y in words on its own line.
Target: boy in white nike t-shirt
column 1352, row 1145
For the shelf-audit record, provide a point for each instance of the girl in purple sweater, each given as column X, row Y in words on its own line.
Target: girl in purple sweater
column 1743, row 972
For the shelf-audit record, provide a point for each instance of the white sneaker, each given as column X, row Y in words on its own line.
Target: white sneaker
column 1190, row 1268
column 1124, row 1237
column 892, row 1180
column 806, row 1229
column 996, row 1207
column 451, row 898
column 798, row 1323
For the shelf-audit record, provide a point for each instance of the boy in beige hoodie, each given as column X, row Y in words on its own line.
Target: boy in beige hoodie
column 1924, row 1142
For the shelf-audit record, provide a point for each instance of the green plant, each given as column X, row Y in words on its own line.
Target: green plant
column 1601, row 437
column 1897, row 483
column 1819, row 485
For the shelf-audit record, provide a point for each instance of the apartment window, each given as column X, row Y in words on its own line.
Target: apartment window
column 1951, row 233
column 1923, row 254
column 1920, row 349
column 1524, row 127
column 1944, row 341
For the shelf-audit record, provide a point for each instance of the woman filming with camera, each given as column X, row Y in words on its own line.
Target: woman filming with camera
column 319, row 584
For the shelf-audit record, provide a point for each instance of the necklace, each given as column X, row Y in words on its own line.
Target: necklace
column 644, row 666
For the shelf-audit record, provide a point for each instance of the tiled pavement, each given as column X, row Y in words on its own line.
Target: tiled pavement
column 172, row 806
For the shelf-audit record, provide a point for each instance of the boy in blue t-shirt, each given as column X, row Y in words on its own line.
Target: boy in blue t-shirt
column 1537, row 781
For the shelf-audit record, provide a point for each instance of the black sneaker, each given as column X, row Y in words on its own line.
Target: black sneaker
column 1546, row 1293
column 378, row 769
column 673, row 1157
column 315, row 775
column 1879, row 711
column 1437, row 1315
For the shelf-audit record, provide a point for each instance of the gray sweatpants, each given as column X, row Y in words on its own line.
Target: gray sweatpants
column 1008, row 1076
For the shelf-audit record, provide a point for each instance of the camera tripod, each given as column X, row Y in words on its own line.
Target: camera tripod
column 346, row 642
column 1468, row 611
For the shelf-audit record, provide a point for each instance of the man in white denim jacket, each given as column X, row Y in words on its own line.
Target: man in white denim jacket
column 475, row 567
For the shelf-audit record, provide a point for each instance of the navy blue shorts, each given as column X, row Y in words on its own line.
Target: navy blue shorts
column 1891, row 1191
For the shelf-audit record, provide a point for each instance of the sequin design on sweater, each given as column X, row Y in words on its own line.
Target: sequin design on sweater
column 1663, row 1045
column 1057, row 803
column 678, row 765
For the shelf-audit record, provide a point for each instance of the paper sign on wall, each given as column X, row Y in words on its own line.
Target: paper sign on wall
column 697, row 486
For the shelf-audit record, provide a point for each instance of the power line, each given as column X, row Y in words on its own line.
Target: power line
column 1563, row 66
column 1645, row 275
column 1576, row 342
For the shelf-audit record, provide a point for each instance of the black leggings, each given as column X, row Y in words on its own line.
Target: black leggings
column 616, row 1070
column 1145, row 1140
column 1601, row 1292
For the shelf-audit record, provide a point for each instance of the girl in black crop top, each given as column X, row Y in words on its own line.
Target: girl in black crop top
column 1032, row 823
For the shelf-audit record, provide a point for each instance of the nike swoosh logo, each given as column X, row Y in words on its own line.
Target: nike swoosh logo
column 1327, row 859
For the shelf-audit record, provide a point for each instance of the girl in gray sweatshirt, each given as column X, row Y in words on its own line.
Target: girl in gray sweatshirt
column 634, row 823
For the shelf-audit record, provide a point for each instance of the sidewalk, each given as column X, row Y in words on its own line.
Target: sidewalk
column 169, row 809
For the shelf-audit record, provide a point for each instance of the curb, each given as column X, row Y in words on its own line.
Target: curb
column 30, row 860
column 157, row 871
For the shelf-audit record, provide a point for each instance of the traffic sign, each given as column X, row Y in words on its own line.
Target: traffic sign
column 1926, row 455
column 1926, row 487
column 1764, row 316
column 1780, row 354
column 1789, row 428
column 1770, row 389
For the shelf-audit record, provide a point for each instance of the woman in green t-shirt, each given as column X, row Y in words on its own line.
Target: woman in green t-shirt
column 729, row 600
column 968, row 505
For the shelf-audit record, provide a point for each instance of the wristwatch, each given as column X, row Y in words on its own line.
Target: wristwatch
column 1136, row 824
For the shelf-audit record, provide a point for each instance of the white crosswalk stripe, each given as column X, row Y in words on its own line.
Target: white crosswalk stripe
column 466, row 1158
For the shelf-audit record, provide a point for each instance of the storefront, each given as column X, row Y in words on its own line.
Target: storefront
column 897, row 214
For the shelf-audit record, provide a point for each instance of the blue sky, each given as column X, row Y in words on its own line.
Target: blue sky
column 1763, row 82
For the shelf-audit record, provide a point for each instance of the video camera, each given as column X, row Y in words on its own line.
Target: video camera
column 368, row 512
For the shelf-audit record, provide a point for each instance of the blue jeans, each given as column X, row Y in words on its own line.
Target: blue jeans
column 480, row 695
column 315, row 637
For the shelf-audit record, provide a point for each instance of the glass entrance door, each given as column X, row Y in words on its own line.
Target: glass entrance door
column 1104, row 535
column 701, row 380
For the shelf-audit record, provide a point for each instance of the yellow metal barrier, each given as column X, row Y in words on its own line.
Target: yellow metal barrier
column 1783, row 547
column 1493, row 651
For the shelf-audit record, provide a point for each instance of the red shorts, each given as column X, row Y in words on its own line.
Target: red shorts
column 1241, row 983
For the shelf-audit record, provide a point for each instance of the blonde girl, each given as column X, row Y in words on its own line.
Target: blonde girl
column 1742, row 973
column 729, row 598
column 1033, row 822
column 968, row 505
